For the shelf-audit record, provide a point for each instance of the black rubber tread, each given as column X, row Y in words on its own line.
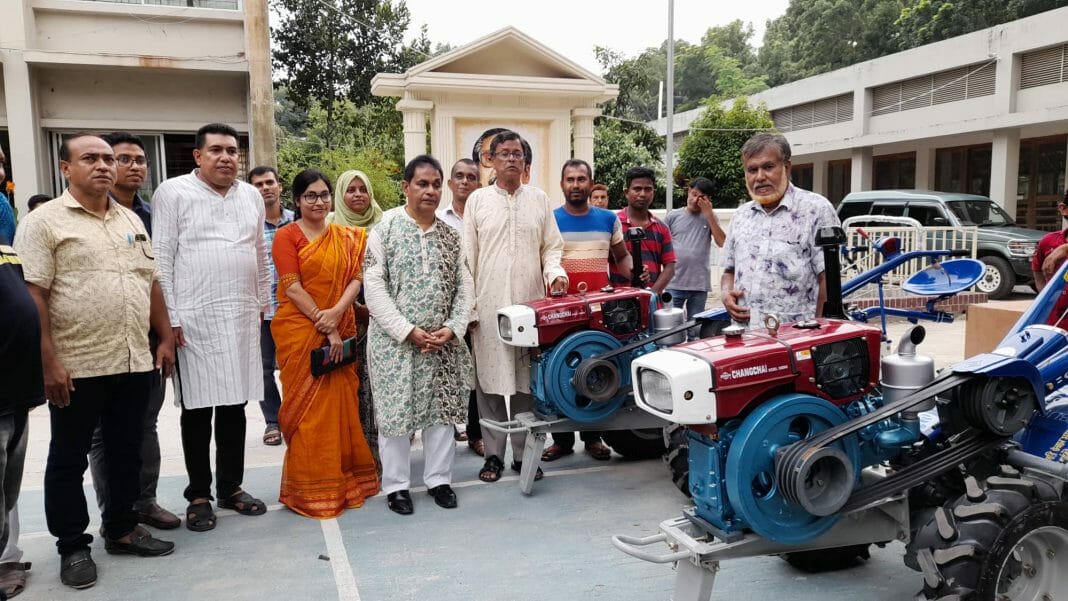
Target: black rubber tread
column 973, row 490
column 647, row 443
column 828, row 560
column 678, row 457
column 963, row 566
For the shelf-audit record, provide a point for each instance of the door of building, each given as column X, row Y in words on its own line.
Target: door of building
column 1041, row 183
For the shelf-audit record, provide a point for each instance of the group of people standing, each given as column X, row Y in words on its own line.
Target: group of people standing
column 214, row 283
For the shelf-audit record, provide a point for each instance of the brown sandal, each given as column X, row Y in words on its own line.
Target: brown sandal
column 477, row 446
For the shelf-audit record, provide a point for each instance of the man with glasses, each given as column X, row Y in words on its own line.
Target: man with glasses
column 208, row 240
column 88, row 264
column 514, row 248
column 693, row 228
column 771, row 264
column 265, row 179
column 131, row 169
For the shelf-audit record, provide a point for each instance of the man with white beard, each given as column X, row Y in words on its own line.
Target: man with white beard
column 771, row 264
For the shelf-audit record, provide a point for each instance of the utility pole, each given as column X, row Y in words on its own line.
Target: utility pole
column 669, row 146
column 261, row 88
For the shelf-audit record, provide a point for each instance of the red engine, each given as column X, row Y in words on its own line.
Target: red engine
column 622, row 313
column 831, row 359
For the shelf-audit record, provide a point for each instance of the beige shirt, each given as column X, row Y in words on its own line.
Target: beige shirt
column 100, row 274
column 513, row 246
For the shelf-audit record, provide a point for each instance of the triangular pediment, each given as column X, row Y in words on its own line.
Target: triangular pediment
column 506, row 52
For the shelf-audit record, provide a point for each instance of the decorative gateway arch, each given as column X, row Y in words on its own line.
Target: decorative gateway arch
column 503, row 80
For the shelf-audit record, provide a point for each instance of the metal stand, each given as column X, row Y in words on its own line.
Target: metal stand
column 537, row 427
column 696, row 554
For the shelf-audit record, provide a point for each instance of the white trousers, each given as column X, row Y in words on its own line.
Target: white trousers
column 12, row 553
column 439, row 448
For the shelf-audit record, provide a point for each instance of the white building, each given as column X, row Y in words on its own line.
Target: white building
column 984, row 113
column 157, row 68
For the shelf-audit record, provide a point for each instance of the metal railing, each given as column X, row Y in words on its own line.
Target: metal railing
column 219, row 4
column 913, row 236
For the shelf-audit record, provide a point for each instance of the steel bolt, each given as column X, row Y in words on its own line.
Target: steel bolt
column 1029, row 570
column 1050, row 553
column 1047, row 597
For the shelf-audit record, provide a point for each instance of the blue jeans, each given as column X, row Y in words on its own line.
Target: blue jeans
column 272, row 401
column 693, row 301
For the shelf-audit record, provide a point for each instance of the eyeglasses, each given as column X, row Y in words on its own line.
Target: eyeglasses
column 313, row 198
column 125, row 160
column 510, row 156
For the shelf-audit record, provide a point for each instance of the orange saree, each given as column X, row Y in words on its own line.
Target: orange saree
column 328, row 465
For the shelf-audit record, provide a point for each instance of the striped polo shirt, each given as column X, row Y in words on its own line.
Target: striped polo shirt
column 656, row 249
column 587, row 242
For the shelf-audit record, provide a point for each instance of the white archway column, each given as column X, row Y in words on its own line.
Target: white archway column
column 414, row 113
column 582, row 132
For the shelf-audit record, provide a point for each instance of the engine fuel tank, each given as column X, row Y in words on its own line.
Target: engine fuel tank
column 827, row 358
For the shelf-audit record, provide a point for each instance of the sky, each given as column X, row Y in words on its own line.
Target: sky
column 574, row 27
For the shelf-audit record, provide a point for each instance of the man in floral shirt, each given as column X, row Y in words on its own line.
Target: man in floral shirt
column 771, row 264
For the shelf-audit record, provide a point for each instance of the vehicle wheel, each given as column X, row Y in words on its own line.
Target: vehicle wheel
column 999, row 278
column 828, row 560
column 678, row 458
column 1006, row 539
column 646, row 443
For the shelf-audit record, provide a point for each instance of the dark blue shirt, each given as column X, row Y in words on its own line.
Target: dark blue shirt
column 143, row 210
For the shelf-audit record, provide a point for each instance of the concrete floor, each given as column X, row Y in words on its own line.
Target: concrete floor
column 499, row 544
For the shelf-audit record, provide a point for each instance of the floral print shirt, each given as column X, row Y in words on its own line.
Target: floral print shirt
column 774, row 255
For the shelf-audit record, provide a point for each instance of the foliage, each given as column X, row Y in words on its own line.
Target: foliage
column 365, row 138
column 328, row 50
column 618, row 148
column 713, row 148
column 926, row 21
column 815, row 36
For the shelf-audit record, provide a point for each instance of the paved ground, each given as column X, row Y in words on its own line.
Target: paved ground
column 497, row 545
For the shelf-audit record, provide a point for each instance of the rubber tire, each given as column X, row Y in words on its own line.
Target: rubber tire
column 646, row 443
column 828, row 560
column 678, row 458
column 1008, row 509
column 1008, row 277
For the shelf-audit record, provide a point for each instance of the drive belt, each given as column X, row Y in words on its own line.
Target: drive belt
column 972, row 443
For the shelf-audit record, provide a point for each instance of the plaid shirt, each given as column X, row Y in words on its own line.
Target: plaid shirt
column 269, row 230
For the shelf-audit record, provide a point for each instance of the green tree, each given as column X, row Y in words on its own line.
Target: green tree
column 713, row 148
column 328, row 50
column 926, row 21
column 617, row 148
column 815, row 36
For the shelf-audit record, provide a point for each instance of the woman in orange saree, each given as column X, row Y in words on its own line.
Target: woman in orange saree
column 328, row 465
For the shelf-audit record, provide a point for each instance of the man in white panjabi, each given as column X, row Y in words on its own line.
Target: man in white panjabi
column 209, row 243
column 513, row 246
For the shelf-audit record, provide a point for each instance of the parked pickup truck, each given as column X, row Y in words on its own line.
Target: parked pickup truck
column 1005, row 247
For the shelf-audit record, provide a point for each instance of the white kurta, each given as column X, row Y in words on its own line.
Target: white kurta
column 513, row 246
column 216, row 280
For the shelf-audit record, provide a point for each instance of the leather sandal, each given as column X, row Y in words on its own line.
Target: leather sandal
column 243, row 503
column 199, row 517
column 555, row 451
column 491, row 470
column 477, row 446
column 518, row 467
column 599, row 451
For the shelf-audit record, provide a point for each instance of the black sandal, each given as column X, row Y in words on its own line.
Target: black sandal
column 518, row 467
column 243, row 503
column 491, row 470
column 199, row 517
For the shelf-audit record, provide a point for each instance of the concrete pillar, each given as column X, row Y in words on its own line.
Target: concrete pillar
column 443, row 147
column 414, row 113
column 26, row 149
column 1005, row 168
column 819, row 177
column 582, row 132
column 262, row 142
column 1007, row 82
column 925, row 168
column 861, row 174
column 862, row 103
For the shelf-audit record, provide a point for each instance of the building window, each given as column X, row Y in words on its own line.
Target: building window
column 222, row 4
column 178, row 149
column 838, row 109
column 961, row 83
column 894, row 172
column 839, row 180
column 1041, row 182
column 964, row 169
column 152, row 142
column 801, row 176
column 1044, row 67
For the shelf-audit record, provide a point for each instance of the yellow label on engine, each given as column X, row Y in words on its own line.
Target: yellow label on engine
column 803, row 355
